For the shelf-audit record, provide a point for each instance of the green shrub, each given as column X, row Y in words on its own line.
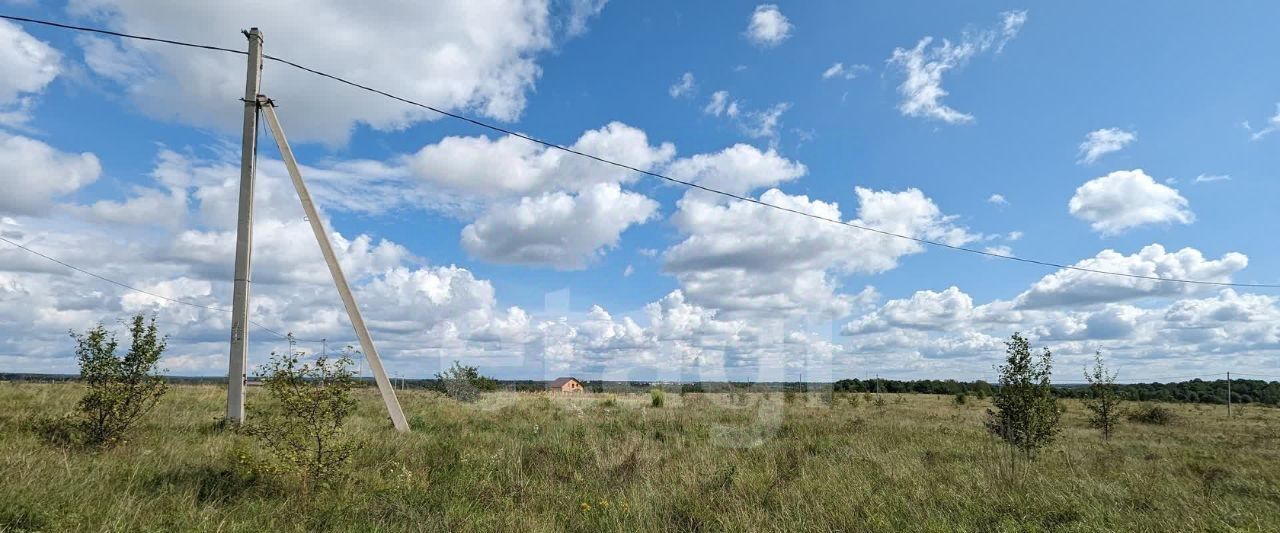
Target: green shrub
column 304, row 428
column 879, row 402
column 464, row 383
column 657, row 398
column 1025, row 413
column 960, row 399
column 609, row 402
column 852, row 399
column 1153, row 414
column 121, row 389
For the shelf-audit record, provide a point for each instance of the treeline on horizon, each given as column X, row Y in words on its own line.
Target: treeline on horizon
column 1243, row 391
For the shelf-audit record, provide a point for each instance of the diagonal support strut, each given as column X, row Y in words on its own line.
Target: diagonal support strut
column 335, row 269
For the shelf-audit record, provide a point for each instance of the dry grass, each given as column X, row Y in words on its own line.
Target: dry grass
column 530, row 462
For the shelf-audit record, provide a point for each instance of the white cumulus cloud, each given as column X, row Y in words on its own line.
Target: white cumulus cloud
column 1075, row 287
column 768, row 26
column 477, row 56
column 34, row 174
column 29, row 65
column 510, row 166
column 1127, row 199
column 557, row 229
column 748, row 259
column 737, row 169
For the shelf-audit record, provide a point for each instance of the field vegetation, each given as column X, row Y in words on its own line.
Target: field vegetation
column 742, row 461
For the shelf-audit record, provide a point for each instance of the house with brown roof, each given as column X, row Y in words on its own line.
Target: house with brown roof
column 568, row 384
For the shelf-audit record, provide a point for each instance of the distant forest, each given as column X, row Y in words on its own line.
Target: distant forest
column 1195, row 391
column 1243, row 391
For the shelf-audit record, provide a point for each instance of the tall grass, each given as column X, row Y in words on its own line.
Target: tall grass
column 538, row 462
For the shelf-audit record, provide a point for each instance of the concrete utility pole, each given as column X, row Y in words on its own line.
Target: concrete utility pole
column 244, row 236
column 335, row 270
column 1228, row 395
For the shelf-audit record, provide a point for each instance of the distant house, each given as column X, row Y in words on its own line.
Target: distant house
column 566, row 385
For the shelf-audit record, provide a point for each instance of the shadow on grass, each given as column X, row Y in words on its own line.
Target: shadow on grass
column 15, row 516
column 212, row 485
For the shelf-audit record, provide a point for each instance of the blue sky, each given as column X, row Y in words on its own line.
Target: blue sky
column 476, row 242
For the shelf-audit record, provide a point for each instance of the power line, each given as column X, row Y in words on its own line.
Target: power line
column 109, row 280
column 689, row 184
column 137, row 290
column 1135, row 381
column 755, row 201
column 1257, row 375
column 125, row 35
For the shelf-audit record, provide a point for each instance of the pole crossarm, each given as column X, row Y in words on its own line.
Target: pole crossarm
column 335, row 269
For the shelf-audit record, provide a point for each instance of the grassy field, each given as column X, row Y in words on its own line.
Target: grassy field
column 713, row 462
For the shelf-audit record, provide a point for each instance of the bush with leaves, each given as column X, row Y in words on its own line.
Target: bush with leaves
column 1025, row 413
column 1153, row 414
column 121, row 389
column 464, row 383
column 1104, row 401
column 657, row 398
column 304, row 425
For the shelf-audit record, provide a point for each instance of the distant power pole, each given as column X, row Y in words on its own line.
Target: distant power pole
column 244, row 236
column 1228, row 395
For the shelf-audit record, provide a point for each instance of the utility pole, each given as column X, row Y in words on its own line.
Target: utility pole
column 1228, row 395
column 239, row 358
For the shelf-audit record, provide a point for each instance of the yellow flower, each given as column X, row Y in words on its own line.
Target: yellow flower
column 585, row 507
column 604, row 503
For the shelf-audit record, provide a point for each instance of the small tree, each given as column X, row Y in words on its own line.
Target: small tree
column 121, row 389
column 464, row 383
column 1104, row 400
column 1025, row 411
column 312, row 402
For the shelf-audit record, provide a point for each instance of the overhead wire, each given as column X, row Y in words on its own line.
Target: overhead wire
column 762, row 203
column 124, row 35
column 1255, row 375
column 624, row 166
column 132, row 288
column 1135, row 381
column 686, row 183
